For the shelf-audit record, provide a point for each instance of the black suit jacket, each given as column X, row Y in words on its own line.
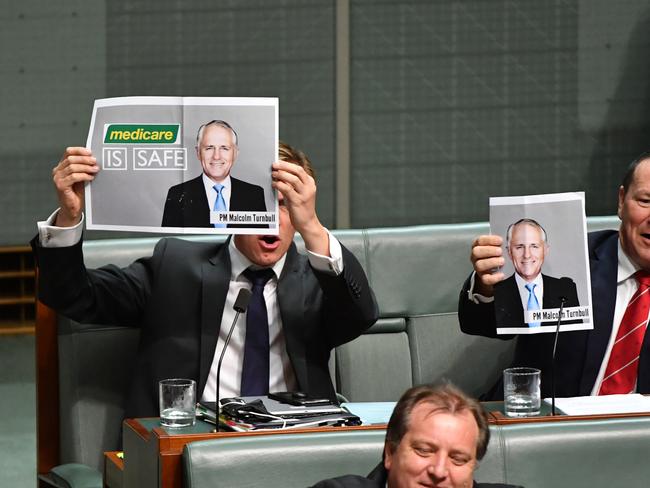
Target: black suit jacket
column 509, row 309
column 579, row 353
column 177, row 297
column 377, row 479
column 187, row 204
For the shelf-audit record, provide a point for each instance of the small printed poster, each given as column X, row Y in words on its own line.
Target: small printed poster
column 547, row 264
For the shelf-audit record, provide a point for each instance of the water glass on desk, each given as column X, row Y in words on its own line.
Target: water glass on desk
column 177, row 398
column 521, row 392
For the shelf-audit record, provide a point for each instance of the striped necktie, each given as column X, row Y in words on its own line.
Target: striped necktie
column 623, row 365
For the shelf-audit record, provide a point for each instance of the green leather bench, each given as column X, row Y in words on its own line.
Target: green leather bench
column 416, row 273
column 280, row 460
column 577, row 454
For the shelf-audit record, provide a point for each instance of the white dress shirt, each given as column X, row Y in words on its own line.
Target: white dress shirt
column 626, row 286
column 211, row 193
column 281, row 374
column 523, row 291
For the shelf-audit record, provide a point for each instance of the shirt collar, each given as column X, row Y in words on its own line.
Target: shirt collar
column 626, row 268
column 209, row 184
column 239, row 263
column 522, row 282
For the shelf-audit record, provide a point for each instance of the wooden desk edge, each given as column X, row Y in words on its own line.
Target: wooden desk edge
column 498, row 418
column 114, row 458
column 175, row 442
column 138, row 428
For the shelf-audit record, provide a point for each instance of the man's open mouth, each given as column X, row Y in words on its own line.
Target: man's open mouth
column 270, row 239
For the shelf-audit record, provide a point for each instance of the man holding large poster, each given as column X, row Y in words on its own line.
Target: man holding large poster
column 182, row 297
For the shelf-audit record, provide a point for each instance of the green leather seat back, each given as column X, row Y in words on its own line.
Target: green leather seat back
column 287, row 460
column 579, row 454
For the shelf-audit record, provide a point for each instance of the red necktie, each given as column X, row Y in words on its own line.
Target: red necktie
column 621, row 372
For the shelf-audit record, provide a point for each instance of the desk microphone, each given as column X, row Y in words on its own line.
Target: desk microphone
column 566, row 282
column 240, row 306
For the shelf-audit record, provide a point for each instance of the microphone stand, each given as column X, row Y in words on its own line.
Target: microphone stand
column 241, row 304
column 557, row 333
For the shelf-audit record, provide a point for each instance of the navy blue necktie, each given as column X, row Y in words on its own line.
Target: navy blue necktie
column 255, row 370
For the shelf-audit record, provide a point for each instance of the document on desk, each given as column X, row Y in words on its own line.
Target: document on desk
column 371, row 412
column 605, row 404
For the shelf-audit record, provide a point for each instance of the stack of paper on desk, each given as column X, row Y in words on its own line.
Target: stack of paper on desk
column 262, row 413
column 595, row 405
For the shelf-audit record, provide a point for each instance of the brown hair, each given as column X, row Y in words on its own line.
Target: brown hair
column 296, row 156
column 446, row 398
column 629, row 173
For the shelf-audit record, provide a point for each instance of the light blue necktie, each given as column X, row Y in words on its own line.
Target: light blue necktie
column 533, row 304
column 219, row 203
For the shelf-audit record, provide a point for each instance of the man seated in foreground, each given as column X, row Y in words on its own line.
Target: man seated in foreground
column 435, row 437
column 182, row 296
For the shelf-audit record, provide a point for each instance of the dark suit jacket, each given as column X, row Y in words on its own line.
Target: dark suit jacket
column 377, row 479
column 187, row 204
column 579, row 353
column 177, row 297
column 509, row 309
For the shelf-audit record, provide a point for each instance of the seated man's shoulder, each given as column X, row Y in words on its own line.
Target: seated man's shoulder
column 188, row 248
column 246, row 185
column 190, row 186
column 563, row 279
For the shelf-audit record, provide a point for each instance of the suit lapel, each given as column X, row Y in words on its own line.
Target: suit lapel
column 215, row 276
column 236, row 196
column 196, row 210
column 509, row 302
column 547, row 299
column 604, row 265
column 291, row 298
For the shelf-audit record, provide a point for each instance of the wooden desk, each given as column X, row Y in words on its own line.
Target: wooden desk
column 497, row 416
column 152, row 454
column 113, row 469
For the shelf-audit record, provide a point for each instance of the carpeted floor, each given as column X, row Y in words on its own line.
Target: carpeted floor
column 17, row 412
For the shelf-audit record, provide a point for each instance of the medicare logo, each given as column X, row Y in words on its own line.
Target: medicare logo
column 141, row 133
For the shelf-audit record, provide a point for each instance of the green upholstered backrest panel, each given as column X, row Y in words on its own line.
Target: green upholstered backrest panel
column 286, row 460
column 374, row 367
column 440, row 351
column 582, row 454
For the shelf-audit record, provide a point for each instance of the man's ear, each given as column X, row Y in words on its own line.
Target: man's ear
column 621, row 199
column 388, row 457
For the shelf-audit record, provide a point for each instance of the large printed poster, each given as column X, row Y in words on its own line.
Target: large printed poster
column 184, row 165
